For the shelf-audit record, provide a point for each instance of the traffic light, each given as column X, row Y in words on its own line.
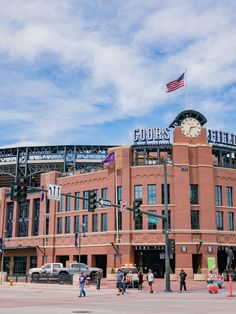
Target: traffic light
column 136, row 207
column 19, row 191
column 15, row 192
column 92, row 202
column 171, row 246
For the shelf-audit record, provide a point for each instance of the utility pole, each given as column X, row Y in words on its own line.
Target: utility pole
column 3, row 253
column 167, row 256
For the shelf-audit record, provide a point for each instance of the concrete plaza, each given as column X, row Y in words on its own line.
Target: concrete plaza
column 62, row 299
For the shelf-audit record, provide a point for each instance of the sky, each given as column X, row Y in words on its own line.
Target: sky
column 88, row 72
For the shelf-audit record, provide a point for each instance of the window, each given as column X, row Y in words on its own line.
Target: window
column 59, row 225
column 104, row 195
column 68, row 202
column 152, row 197
column 77, row 201
column 36, row 208
column 85, row 202
column 230, row 221
column 138, row 223
column 85, row 223
column 47, row 225
column 218, row 195
column 67, row 224
column 48, row 206
column 10, row 207
column 23, row 220
column 119, row 220
column 151, row 225
column 193, row 194
column 94, row 223
column 219, row 220
column 229, row 191
column 76, row 224
column 60, row 204
column 33, row 261
column 138, row 192
column 169, row 219
column 119, row 194
column 162, row 194
column 195, row 219
column 104, row 222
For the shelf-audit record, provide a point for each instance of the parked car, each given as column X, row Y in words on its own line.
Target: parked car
column 134, row 271
column 57, row 270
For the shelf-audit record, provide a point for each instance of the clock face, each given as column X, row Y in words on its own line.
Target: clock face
column 191, row 127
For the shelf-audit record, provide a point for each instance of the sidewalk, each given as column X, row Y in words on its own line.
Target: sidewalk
column 158, row 286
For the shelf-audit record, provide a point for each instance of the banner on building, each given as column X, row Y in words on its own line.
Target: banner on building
column 211, row 262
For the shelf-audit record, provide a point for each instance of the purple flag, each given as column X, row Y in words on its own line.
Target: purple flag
column 110, row 158
column 1, row 245
column 76, row 239
column 41, row 196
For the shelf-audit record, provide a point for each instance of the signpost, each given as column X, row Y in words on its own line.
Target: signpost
column 54, row 192
column 104, row 202
column 153, row 220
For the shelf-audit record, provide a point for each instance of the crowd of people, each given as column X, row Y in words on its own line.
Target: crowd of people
column 125, row 281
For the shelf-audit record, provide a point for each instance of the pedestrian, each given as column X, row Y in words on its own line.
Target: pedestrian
column 150, row 279
column 129, row 280
column 119, row 282
column 140, row 280
column 82, row 282
column 98, row 277
column 182, row 277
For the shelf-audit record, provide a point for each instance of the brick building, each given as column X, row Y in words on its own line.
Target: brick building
column 201, row 177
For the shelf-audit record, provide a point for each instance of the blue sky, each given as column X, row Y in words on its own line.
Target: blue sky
column 89, row 72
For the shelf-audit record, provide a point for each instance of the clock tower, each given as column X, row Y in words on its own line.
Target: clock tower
column 188, row 128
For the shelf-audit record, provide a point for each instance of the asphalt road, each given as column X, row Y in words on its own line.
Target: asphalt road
column 55, row 299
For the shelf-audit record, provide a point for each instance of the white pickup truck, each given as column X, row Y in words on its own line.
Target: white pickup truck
column 56, row 270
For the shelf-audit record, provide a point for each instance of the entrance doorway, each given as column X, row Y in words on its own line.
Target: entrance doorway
column 153, row 257
column 196, row 262
column 101, row 262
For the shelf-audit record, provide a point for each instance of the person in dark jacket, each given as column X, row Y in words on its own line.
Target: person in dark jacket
column 182, row 277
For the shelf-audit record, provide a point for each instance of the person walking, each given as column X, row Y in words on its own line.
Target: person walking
column 98, row 277
column 182, row 276
column 150, row 279
column 140, row 280
column 119, row 282
column 82, row 282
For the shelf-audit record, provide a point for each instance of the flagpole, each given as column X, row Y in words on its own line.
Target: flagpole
column 186, row 90
column 116, row 202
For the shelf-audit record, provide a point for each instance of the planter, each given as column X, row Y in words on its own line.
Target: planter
column 111, row 277
column 172, row 277
column 199, row 277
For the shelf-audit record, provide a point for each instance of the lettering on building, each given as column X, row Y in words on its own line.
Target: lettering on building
column 151, row 135
column 221, row 137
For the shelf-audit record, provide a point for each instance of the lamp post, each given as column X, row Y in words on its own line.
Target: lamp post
column 78, row 244
column 3, row 251
column 167, row 256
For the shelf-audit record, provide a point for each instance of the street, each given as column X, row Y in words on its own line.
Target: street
column 56, row 299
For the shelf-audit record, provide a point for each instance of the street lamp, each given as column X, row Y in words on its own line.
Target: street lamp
column 78, row 236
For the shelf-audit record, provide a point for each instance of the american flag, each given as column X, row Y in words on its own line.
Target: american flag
column 173, row 85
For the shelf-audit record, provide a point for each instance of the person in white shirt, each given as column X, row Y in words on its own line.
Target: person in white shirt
column 150, row 279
